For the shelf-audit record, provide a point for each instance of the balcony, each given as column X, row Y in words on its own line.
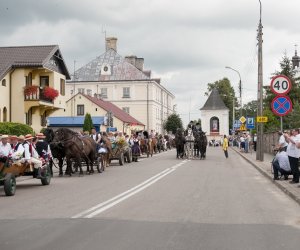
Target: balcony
column 36, row 93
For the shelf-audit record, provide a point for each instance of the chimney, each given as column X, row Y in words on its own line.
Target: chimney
column 111, row 43
column 131, row 60
column 139, row 63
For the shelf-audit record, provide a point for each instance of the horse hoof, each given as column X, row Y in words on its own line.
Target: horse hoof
column 60, row 174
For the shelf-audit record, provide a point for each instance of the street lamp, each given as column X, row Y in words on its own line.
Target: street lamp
column 240, row 88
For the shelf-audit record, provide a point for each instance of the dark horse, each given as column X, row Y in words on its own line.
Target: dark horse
column 202, row 145
column 179, row 142
column 57, row 150
column 76, row 148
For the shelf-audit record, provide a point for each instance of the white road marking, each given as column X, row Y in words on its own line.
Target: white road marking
column 101, row 207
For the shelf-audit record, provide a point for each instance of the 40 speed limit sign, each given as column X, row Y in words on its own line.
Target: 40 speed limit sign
column 281, row 85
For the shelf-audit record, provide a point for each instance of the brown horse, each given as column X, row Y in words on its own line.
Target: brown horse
column 76, row 148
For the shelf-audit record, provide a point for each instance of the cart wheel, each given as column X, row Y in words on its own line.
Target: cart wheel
column 121, row 159
column 10, row 184
column 46, row 175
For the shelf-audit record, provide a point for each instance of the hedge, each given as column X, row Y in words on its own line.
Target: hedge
column 14, row 128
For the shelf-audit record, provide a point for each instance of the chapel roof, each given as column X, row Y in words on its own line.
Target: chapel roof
column 214, row 102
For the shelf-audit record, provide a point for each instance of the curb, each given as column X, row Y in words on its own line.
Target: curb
column 264, row 173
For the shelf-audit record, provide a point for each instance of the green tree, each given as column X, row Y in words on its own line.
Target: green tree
column 88, row 123
column 172, row 123
column 227, row 94
column 289, row 121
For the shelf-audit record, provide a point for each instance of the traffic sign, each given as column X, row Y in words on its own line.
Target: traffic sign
column 281, row 105
column 243, row 127
column 281, row 85
column 250, row 122
column 242, row 119
column 237, row 124
column 261, row 119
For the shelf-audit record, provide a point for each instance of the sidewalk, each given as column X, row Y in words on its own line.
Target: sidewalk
column 293, row 190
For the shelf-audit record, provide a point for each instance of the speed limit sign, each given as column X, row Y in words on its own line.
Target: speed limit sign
column 281, row 85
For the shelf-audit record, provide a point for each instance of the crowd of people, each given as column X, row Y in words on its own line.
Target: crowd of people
column 286, row 160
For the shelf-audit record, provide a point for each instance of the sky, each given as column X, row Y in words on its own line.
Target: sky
column 187, row 43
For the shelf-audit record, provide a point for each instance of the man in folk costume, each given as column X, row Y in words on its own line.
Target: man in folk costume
column 17, row 148
column 96, row 136
column 32, row 156
column 5, row 148
column 42, row 147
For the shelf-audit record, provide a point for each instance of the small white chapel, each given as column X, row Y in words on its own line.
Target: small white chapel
column 215, row 117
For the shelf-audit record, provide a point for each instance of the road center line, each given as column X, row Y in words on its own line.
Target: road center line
column 101, row 207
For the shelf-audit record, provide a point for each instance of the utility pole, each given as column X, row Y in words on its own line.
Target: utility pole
column 260, row 132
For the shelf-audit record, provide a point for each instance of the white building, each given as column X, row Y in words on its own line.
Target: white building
column 215, row 116
column 125, row 83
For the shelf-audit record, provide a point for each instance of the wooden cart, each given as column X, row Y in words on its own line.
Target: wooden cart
column 10, row 170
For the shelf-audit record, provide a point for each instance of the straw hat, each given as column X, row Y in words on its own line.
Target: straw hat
column 13, row 137
column 28, row 137
column 40, row 136
column 21, row 137
column 4, row 137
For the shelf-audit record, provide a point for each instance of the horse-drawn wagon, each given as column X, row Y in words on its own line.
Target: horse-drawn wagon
column 10, row 170
column 120, row 151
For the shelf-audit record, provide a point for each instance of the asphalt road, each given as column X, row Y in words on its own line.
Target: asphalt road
column 157, row 203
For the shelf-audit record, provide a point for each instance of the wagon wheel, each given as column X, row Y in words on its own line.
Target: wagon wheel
column 121, row 159
column 10, row 184
column 100, row 164
column 46, row 175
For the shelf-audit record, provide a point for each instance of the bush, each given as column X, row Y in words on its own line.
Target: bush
column 13, row 128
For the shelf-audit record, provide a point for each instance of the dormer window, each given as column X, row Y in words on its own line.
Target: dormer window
column 106, row 69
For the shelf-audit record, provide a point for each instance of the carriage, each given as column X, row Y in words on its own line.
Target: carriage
column 10, row 170
column 121, row 152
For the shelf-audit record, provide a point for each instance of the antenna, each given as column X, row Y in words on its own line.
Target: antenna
column 103, row 30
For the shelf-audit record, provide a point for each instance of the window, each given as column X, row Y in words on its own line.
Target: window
column 72, row 91
column 62, row 87
column 104, row 92
column 80, row 109
column 29, row 117
column 126, row 109
column 81, row 90
column 4, row 82
column 126, row 92
column 4, row 114
column 44, row 81
column 44, row 119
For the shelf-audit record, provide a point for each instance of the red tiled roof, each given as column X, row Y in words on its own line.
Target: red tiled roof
column 117, row 112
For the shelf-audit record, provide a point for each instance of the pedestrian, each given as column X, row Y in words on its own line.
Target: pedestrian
column 225, row 146
column 293, row 152
column 282, row 142
column 254, row 141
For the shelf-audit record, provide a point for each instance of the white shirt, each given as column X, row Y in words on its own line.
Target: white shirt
column 5, row 150
column 283, row 160
column 292, row 150
column 282, row 142
column 19, row 153
column 27, row 152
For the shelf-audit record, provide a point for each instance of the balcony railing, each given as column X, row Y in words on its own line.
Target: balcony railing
column 36, row 95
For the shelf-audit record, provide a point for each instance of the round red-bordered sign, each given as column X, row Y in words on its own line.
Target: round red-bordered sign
column 281, row 85
column 281, row 105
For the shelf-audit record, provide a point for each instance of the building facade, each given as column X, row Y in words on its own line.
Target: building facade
column 125, row 83
column 32, row 84
column 97, row 107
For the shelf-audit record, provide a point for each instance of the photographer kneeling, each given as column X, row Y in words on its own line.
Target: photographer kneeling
column 281, row 164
